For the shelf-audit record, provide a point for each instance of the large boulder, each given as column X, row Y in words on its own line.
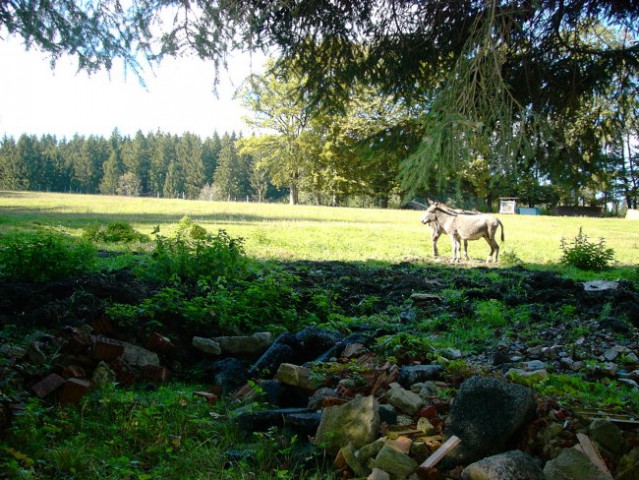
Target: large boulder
column 356, row 422
column 513, row 465
column 487, row 415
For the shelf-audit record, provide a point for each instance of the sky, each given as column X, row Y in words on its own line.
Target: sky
column 178, row 97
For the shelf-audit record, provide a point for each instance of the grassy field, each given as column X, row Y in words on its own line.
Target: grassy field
column 280, row 231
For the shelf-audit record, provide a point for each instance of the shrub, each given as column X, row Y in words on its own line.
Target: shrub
column 182, row 259
column 43, row 256
column 114, row 232
column 586, row 255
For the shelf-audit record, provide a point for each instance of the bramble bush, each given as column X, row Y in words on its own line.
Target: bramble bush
column 44, row 256
column 114, row 232
column 183, row 259
column 586, row 255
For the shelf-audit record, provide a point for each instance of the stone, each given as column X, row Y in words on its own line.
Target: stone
column 607, row 436
column 315, row 341
column 628, row 468
column 47, row 385
column 137, row 356
column 412, row 374
column 262, row 420
column 103, row 376
column 488, row 415
column 351, row 460
column 404, row 400
column 228, row 373
column 206, row 345
column 297, row 376
column 253, row 344
column 534, row 365
column 397, row 464
column 356, row 422
column 285, row 349
column 377, row 474
column 600, row 285
column 572, row 464
column 512, row 465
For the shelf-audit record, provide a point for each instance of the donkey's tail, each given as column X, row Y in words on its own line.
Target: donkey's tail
column 502, row 230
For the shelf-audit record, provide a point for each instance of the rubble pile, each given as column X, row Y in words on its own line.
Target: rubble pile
column 376, row 419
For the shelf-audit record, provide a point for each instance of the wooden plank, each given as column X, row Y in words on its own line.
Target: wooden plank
column 590, row 450
column 447, row 447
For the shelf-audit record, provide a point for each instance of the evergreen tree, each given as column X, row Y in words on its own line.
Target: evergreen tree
column 232, row 175
column 174, row 181
column 189, row 157
column 13, row 175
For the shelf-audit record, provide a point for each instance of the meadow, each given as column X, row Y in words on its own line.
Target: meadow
column 286, row 232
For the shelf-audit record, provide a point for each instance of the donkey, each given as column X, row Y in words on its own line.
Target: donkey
column 464, row 227
column 438, row 230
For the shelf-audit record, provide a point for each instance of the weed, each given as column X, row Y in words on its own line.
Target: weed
column 183, row 259
column 586, row 255
column 114, row 232
column 43, row 256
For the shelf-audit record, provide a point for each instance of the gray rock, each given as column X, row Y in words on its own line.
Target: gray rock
column 228, row 373
column 488, row 416
column 397, row 464
column 206, row 345
column 102, row 376
column 137, row 356
column 534, row 365
column 607, row 436
column 404, row 400
column 286, row 348
column 571, row 464
column 513, row 465
column 315, row 341
column 412, row 374
column 356, row 422
column 245, row 344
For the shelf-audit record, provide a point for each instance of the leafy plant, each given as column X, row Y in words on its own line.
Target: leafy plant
column 43, row 256
column 586, row 255
column 114, row 232
column 181, row 258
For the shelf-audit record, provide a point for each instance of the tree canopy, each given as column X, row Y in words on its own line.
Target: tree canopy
column 498, row 85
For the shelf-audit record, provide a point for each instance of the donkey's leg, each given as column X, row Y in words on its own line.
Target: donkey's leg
column 466, row 249
column 435, row 237
column 494, row 249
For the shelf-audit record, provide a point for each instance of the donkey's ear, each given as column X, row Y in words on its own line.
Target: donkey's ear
column 432, row 202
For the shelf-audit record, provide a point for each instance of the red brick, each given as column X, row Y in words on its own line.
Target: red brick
column 47, row 385
column 107, row 349
column 155, row 373
column 159, row 343
column 75, row 371
column 211, row 398
column 74, row 389
column 102, row 325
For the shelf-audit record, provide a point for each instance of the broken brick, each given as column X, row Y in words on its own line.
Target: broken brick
column 74, row 389
column 156, row 373
column 211, row 398
column 159, row 343
column 107, row 349
column 47, row 385
column 74, row 371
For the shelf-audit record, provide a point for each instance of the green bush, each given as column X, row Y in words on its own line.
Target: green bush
column 43, row 256
column 182, row 259
column 114, row 232
column 586, row 255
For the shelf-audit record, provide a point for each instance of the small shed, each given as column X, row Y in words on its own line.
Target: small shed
column 508, row 205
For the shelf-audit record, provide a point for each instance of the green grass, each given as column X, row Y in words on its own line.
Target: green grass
column 285, row 232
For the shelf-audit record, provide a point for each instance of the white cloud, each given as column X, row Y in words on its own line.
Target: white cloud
column 179, row 97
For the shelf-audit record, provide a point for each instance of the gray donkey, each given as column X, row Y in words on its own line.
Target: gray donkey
column 463, row 227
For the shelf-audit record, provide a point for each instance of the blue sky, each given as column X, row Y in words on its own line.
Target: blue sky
column 178, row 97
